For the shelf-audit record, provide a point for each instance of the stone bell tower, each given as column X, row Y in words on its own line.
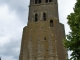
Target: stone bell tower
column 43, row 35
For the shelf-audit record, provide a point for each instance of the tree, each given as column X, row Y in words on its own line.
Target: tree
column 72, row 41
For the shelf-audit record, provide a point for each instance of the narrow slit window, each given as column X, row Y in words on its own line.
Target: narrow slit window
column 51, row 23
column 50, row 0
column 39, row 1
column 44, row 38
column 35, row 1
column 44, row 16
column 46, row 1
column 36, row 17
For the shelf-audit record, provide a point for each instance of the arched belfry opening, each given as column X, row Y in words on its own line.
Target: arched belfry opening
column 51, row 23
column 44, row 16
column 46, row 1
column 35, row 1
column 39, row 1
column 50, row 0
column 36, row 17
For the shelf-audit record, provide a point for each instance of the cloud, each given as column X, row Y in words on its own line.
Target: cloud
column 8, row 58
column 20, row 6
column 10, row 49
column 65, row 8
column 10, row 33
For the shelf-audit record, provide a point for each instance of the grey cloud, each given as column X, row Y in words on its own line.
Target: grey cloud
column 10, row 34
column 11, row 49
column 65, row 8
column 20, row 6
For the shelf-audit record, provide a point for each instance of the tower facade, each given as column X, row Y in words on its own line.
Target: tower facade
column 43, row 35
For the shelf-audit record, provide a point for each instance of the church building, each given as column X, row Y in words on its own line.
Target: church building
column 43, row 36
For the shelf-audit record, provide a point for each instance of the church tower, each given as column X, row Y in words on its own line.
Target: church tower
column 43, row 35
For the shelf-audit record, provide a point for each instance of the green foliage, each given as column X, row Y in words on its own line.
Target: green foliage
column 72, row 41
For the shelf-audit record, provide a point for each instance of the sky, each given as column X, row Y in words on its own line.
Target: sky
column 14, row 16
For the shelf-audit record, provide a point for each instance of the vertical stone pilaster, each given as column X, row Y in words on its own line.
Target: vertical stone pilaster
column 40, row 49
column 51, row 53
column 30, row 48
